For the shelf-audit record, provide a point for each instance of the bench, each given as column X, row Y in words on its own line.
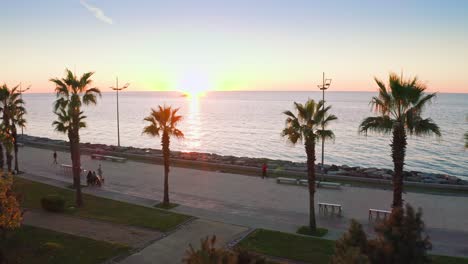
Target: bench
column 304, row 182
column 377, row 214
column 68, row 170
column 329, row 184
column 20, row 144
column 286, row 180
column 323, row 207
column 104, row 157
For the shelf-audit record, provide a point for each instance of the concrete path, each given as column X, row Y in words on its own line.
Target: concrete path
column 172, row 249
column 253, row 202
column 134, row 237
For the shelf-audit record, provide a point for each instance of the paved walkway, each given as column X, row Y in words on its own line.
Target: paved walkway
column 253, row 202
column 134, row 237
column 172, row 249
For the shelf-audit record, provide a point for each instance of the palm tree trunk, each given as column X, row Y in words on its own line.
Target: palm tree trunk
column 310, row 151
column 2, row 161
column 15, row 137
column 166, row 154
column 9, row 158
column 398, row 155
column 76, row 168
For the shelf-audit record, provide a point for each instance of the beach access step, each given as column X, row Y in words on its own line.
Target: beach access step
column 375, row 214
column 306, row 182
column 323, row 208
column 286, row 180
column 321, row 184
column 104, row 157
column 329, row 184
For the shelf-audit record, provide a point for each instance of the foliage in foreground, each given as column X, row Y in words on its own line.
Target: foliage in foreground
column 11, row 215
column 400, row 239
column 210, row 254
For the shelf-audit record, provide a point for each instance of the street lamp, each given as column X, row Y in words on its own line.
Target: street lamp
column 21, row 91
column 117, row 89
column 325, row 85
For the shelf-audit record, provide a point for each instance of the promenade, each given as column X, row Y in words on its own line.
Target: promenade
column 253, row 202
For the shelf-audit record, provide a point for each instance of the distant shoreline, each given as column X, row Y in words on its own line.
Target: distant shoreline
column 240, row 91
column 252, row 166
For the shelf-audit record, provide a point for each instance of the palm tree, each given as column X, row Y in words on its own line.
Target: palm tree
column 12, row 108
column 400, row 105
column 308, row 127
column 466, row 140
column 71, row 93
column 164, row 121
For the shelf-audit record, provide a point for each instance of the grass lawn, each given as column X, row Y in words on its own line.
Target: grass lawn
column 305, row 230
column 166, row 207
column 35, row 245
column 307, row 249
column 99, row 208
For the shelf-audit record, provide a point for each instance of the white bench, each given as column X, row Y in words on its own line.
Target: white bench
column 378, row 213
column 304, row 182
column 329, row 184
column 323, row 207
column 20, row 144
column 286, row 180
column 68, row 170
column 104, row 157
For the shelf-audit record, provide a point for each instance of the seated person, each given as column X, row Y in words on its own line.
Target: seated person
column 89, row 178
column 97, row 181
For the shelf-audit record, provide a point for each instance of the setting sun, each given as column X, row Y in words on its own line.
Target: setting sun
column 194, row 84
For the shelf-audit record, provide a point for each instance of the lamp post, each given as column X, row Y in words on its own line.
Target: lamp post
column 325, row 85
column 21, row 91
column 117, row 89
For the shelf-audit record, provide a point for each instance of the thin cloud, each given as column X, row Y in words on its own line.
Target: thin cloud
column 97, row 12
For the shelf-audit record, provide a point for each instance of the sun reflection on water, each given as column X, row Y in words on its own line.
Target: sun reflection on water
column 193, row 137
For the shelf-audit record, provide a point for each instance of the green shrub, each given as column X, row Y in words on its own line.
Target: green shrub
column 53, row 203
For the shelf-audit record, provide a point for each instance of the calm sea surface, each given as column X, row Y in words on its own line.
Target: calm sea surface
column 249, row 124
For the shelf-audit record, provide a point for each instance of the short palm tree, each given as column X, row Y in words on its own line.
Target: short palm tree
column 163, row 122
column 308, row 127
column 71, row 93
column 400, row 105
column 12, row 108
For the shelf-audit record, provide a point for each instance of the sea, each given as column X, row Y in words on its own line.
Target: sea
column 249, row 124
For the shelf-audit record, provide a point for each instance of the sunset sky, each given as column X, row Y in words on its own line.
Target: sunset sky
column 235, row 45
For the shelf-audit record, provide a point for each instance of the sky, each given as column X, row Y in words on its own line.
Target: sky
column 235, row 45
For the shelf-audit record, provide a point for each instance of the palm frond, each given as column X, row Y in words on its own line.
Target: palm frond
column 379, row 124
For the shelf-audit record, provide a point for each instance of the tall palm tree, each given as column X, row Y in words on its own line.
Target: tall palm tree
column 308, row 127
column 17, row 120
column 72, row 92
column 12, row 108
column 466, row 140
column 163, row 122
column 400, row 105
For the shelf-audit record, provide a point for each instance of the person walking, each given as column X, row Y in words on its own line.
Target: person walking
column 264, row 170
column 55, row 157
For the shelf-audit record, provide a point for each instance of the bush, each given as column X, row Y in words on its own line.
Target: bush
column 53, row 203
column 352, row 247
column 210, row 254
column 400, row 239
